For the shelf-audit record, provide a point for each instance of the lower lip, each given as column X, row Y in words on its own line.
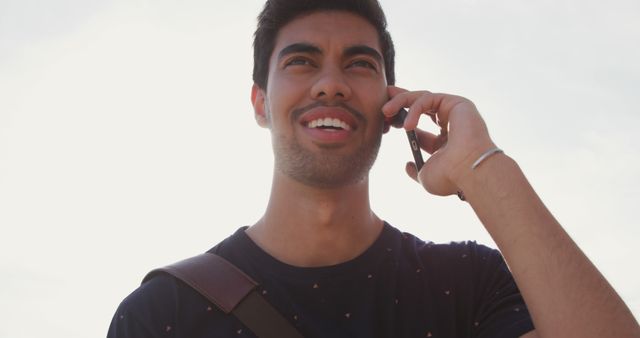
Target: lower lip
column 328, row 135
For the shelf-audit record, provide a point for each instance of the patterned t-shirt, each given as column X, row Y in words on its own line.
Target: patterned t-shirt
column 400, row 287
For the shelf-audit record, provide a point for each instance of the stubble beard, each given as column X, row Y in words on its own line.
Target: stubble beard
column 324, row 168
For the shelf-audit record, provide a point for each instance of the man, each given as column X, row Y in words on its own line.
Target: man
column 323, row 72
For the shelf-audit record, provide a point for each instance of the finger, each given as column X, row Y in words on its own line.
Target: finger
column 433, row 115
column 394, row 90
column 442, row 104
column 429, row 142
column 441, row 141
column 412, row 171
column 426, row 140
column 428, row 103
column 400, row 100
column 419, row 107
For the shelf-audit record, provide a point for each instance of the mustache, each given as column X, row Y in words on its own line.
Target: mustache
column 295, row 114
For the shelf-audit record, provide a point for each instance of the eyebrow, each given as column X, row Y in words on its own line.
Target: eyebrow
column 348, row 52
column 299, row 48
column 363, row 50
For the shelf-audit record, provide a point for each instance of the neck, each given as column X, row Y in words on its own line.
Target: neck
column 307, row 226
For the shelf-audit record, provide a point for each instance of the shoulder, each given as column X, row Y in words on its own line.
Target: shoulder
column 477, row 279
column 148, row 311
column 158, row 292
column 467, row 252
column 452, row 253
column 463, row 263
column 165, row 306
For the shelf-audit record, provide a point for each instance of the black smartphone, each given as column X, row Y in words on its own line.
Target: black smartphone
column 398, row 121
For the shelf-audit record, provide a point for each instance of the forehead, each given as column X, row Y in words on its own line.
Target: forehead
column 328, row 29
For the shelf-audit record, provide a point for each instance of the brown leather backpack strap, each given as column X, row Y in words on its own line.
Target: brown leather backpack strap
column 213, row 277
column 232, row 291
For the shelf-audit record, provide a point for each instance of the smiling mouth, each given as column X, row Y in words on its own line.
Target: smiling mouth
column 328, row 124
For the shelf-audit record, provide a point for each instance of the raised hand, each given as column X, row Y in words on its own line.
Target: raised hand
column 462, row 139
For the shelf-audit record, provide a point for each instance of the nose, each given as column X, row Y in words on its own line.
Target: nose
column 330, row 86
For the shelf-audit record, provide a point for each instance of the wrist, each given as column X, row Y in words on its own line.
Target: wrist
column 487, row 177
column 465, row 168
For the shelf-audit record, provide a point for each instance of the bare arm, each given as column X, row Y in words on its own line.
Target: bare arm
column 565, row 294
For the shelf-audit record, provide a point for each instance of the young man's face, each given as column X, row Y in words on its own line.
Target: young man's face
column 326, row 86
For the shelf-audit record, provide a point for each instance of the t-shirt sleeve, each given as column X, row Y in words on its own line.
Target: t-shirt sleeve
column 125, row 325
column 145, row 315
column 500, row 310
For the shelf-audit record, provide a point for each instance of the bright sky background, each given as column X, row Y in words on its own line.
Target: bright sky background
column 127, row 138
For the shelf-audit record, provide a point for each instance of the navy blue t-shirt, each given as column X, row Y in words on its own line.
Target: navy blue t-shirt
column 400, row 287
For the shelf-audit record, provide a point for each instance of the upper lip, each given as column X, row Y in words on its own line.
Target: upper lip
column 341, row 112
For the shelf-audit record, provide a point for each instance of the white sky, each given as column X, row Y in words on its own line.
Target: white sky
column 127, row 138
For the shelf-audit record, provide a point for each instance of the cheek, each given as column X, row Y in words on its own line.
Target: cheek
column 374, row 91
column 284, row 95
column 376, row 98
column 378, row 101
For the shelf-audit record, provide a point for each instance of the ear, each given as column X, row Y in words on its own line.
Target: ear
column 258, row 100
column 386, row 125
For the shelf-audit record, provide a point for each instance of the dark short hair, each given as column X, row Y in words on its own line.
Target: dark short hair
column 277, row 13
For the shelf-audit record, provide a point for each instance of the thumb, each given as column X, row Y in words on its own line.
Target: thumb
column 412, row 171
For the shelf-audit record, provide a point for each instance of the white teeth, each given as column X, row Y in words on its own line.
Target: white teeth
column 329, row 122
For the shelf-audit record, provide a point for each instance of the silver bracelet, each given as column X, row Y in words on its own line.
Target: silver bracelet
column 475, row 164
column 486, row 155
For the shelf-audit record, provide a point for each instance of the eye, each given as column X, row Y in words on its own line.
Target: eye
column 298, row 61
column 364, row 64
